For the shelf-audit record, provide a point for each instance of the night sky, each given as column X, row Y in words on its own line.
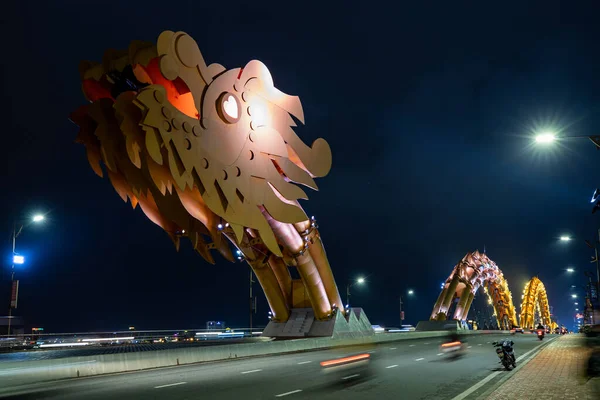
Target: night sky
column 429, row 111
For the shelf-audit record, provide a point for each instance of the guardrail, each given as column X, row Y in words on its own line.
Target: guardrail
column 80, row 339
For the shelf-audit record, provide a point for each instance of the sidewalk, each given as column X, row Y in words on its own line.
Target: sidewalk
column 557, row 372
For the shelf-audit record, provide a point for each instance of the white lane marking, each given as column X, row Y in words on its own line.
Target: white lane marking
column 490, row 377
column 170, row 384
column 351, row 376
column 488, row 342
column 426, row 343
column 419, row 359
column 371, row 352
column 479, row 344
column 254, row 370
column 440, row 354
column 392, row 348
column 412, row 345
column 392, row 366
column 288, row 393
column 304, row 362
column 468, row 347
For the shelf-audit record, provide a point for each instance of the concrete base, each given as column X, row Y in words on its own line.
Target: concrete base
column 302, row 323
column 449, row 325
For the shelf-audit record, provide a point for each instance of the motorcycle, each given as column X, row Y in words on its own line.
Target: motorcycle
column 506, row 353
column 540, row 334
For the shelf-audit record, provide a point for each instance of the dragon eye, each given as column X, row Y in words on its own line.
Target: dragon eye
column 228, row 107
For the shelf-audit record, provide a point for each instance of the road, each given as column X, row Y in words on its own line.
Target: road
column 411, row 369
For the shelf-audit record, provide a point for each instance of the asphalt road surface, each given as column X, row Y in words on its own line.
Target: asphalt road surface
column 409, row 369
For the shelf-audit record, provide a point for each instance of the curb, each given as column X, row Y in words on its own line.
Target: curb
column 505, row 378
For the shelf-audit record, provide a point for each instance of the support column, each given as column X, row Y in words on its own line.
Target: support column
column 438, row 303
column 464, row 297
column 468, row 306
column 449, row 294
column 273, row 293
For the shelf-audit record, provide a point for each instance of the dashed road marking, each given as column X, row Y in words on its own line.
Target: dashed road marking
column 392, row 366
column 468, row 347
column 419, row 359
column 426, row 343
column 412, row 345
column 392, row 348
column 251, row 371
column 440, row 354
column 170, row 384
column 304, row 362
column 479, row 344
column 350, row 376
column 288, row 393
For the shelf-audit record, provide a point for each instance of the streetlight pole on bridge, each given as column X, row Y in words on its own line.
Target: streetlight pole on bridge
column 17, row 259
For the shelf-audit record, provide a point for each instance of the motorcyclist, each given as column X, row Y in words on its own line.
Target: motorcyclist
column 540, row 326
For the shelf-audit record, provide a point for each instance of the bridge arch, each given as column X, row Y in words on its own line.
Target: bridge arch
column 535, row 302
column 472, row 272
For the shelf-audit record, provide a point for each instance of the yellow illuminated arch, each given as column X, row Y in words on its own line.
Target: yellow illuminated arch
column 535, row 300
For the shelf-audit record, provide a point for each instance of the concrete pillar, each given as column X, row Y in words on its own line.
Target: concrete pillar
column 468, row 306
column 449, row 294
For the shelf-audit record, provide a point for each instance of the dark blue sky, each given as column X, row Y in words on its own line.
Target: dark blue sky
column 429, row 111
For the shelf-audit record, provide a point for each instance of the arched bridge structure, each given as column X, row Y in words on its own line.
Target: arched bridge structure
column 534, row 306
column 210, row 154
column 472, row 272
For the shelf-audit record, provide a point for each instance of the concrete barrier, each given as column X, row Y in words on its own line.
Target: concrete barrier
column 25, row 372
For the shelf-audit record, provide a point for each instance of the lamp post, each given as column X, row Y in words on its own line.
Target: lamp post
column 549, row 137
column 410, row 292
column 17, row 259
column 595, row 258
column 359, row 281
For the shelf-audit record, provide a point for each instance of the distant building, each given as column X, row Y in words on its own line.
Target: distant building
column 215, row 325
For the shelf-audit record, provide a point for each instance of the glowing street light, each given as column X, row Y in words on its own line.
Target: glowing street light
column 576, row 304
column 18, row 259
column 410, row 292
column 545, row 138
column 574, row 296
column 360, row 281
column 570, row 269
column 565, row 238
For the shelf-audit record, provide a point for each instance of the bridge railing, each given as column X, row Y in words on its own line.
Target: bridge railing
column 80, row 339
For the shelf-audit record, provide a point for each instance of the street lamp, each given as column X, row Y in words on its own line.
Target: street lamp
column 549, row 137
column 595, row 257
column 574, row 296
column 576, row 303
column 565, row 238
column 410, row 292
column 545, row 138
column 18, row 260
column 570, row 269
column 359, row 281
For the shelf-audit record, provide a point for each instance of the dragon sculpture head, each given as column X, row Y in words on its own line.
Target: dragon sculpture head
column 206, row 152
